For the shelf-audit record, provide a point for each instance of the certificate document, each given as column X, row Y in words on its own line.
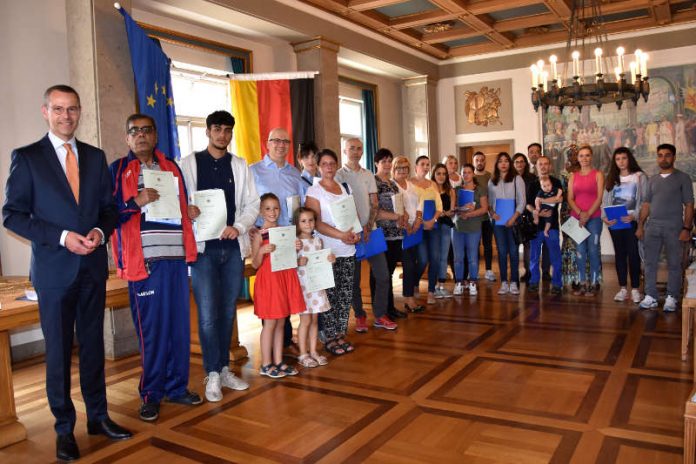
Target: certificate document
column 573, row 229
column 318, row 271
column 285, row 255
column 398, row 202
column 345, row 215
column 167, row 207
column 213, row 218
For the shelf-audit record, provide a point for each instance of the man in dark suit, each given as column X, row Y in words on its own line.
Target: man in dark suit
column 58, row 196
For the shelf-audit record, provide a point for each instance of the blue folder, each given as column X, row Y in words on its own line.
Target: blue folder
column 505, row 208
column 617, row 212
column 374, row 246
column 412, row 240
column 464, row 197
column 428, row 210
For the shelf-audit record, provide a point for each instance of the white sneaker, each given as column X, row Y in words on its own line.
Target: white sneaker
column 670, row 304
column 213, row 392
column 473, row 291
column 504, row 289
column 458, row 289
column 513, row 289
column 445, row 293
column 621, row 296
column 229, row 380
column 490, row 276
column 636, row 296
column 439, row 293
column 648, row 303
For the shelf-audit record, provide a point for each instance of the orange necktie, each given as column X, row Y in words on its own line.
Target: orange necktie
column 72, row 171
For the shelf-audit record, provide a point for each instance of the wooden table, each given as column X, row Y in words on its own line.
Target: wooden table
column 690, row 430
column 16, row 314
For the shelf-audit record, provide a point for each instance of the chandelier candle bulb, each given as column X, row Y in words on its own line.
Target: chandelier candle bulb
column 644, row 64
column 633, row 67
column 535, row 76
column 576, row 63
column 598, row 60
column 620, row 54
column 617, row 72
column 553, row 60
column 544, row 78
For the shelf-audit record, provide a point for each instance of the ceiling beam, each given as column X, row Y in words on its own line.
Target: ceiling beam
column 477, row 23
column 560, row 8
column 362, row 5
column 490, row 6
column 661, row 12
column 446, row 36
column 477, row 49
column 420, row 19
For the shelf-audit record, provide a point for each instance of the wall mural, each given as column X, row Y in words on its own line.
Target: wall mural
column 669, row 116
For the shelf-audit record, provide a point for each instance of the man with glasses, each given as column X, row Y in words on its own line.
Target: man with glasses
column 274, row 174
column 152, row 255
column 218, row 273
column 58, row 196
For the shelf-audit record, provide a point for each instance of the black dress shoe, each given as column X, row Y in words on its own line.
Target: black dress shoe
column 108, row 428
column 66, row 447
column 396, row 314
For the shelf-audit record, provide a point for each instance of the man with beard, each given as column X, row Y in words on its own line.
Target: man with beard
column 482, row 178
column 669, row 211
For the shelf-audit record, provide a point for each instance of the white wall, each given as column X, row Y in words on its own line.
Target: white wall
column 527, row 123
column 34, row 56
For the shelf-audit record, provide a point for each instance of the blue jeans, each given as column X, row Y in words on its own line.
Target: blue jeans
column 553, row 245
column 445, row 233
column 429, row 253
column 216, row 278
column 590, row 248
column 465, row 246
column 505, row 242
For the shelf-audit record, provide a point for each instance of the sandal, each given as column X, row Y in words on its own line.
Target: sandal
column 307, row 361
column 334, row 348
column 287, row 369
column 321, row 360
column 347, row 346
column 272, row 371
column 415, row 309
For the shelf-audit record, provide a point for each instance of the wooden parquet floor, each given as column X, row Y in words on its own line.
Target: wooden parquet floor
column 472, row 380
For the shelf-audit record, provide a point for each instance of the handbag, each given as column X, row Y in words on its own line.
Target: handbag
column 524, row 229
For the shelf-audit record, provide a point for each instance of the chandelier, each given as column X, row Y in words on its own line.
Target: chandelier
column 605, row 80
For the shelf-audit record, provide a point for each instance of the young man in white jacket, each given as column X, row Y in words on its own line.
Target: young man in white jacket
column 218, row 273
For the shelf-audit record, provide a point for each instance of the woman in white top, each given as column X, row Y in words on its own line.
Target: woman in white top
column 334, row 322
column 401, row 170
column 452, row 164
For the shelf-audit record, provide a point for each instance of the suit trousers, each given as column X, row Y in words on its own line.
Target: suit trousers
column 78, row 308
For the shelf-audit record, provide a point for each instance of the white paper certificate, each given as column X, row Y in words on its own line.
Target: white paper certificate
column 573, row 229
column 167, row 207
column 285, row 255
column 213, row 218
column 345, row 215
column 318, row 271
column 398, row 202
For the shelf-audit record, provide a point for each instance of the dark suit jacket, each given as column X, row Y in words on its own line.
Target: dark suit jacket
column 39, row 205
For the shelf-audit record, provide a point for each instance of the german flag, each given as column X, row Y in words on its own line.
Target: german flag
column 260, row 105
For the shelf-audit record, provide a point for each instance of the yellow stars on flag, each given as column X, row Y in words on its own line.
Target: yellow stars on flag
column 151, row 100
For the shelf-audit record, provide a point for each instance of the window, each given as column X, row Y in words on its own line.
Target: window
column 196, row 95
column 351, row 117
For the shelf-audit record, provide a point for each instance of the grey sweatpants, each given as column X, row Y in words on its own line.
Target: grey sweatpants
column 657, row 236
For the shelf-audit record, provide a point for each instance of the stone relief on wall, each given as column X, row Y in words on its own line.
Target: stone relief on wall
column 483, row 107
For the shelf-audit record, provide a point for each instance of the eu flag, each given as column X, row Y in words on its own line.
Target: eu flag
column 154, row 85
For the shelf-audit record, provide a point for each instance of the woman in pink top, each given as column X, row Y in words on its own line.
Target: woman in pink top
column 584, row 198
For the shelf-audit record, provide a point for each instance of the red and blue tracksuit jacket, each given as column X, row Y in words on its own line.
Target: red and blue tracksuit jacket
column 125, row 241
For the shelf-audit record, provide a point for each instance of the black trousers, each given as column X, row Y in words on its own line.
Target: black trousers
column 627, row 256
column 487, row 239
column 78, row 308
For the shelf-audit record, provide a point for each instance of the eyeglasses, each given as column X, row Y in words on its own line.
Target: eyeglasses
column 279, row 141
column 135, row 130
column 59, row 110
column 401, row 168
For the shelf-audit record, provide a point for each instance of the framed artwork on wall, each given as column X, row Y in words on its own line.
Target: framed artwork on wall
column 483, row 107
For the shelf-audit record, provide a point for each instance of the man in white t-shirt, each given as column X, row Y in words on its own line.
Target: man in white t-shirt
column 363, row 187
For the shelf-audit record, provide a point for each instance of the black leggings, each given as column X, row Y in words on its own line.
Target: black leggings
column 627, row 256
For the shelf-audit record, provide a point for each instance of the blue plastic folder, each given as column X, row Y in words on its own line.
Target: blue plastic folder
column 376, row 245
column 464, row 197
column 412, row 240
column 617, row 212
column 428, row 210
column 505, row 208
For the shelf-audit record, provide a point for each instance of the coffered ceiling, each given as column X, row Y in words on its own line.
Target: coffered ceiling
column 453, row 28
